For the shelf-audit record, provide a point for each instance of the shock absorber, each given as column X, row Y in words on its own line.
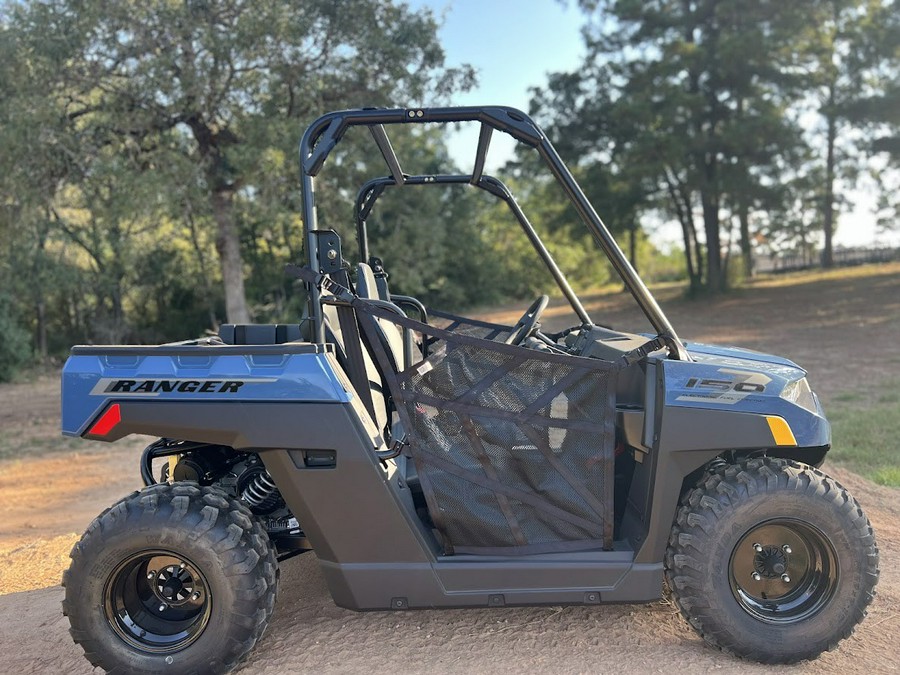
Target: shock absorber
column 261, row 492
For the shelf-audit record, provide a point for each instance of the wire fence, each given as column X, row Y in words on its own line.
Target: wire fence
column 843, row 257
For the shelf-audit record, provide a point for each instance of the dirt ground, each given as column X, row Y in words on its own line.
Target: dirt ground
column 844, row 329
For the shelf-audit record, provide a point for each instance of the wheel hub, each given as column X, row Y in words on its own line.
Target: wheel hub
column 770, row 562
column 157, row 602
column 175, row 585
column 783, row 571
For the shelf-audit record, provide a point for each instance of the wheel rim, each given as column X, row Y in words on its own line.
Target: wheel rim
column 157, row 601
column 783, row 571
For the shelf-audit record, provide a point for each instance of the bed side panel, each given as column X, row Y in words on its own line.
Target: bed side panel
column 95, row 377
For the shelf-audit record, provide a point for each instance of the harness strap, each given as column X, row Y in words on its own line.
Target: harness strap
column 641, row 352
column 359, row 376
column 320, row 281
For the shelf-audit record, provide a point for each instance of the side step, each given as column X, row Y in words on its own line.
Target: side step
column 480, row 581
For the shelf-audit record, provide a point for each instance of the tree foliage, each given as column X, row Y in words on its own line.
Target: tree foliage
column 848, row 54
column 698, row 108
column 150, row 165
column 148, row 184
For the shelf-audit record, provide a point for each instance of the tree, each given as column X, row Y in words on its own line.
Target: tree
column 221, row 84
column 684, row 95
column 847, row 58
column 587, row 138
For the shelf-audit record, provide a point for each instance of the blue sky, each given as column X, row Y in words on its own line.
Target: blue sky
column 514, row 45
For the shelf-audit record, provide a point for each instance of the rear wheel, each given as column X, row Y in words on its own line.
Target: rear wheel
column 772, row 560
column 175, row 578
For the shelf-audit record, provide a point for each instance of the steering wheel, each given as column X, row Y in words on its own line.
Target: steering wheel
column 529, row 320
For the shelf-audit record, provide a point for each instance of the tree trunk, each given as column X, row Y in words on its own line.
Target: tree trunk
column 222, row 186
column 228, row 245
column 828, row 220
column 746, row 246
column 714, row 281
column 118, row 329
column 41, row 329
column 698, row 250
column 40, row 306
column 690, row 238
column 208, row 295
column 632, row 244
column 683, row 212
column 743, row 206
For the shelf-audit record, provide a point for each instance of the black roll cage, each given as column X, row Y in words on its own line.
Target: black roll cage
column 326, row 132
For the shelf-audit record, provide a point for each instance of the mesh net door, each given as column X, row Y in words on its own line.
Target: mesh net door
column 465, row 326
column 514, row 447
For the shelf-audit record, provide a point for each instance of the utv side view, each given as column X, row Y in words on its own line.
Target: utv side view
column 433, row 460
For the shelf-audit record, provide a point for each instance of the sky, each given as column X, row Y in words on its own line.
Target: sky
column 513, row 45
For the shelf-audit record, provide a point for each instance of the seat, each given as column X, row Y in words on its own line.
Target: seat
column 379, row 277
column 366, row 288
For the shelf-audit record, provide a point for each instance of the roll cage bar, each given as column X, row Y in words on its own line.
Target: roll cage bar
column 373, row 189
column 326, row 132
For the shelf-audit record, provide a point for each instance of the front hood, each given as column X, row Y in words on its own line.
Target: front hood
column 738, row 357
column 745, row 382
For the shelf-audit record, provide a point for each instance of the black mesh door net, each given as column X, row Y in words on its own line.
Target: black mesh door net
column 464, row 326
column 514, row 447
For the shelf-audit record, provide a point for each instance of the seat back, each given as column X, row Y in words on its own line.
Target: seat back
column 367, row 288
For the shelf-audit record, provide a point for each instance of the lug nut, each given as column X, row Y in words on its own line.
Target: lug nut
column 786, row 549
column 785, row 578
column 756, row 576
column 757, row 548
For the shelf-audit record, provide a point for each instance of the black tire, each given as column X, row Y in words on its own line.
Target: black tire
column 127, row 560
column 734, row 573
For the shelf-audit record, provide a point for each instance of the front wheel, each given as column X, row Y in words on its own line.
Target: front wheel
column 174, row 578
column 772, row 560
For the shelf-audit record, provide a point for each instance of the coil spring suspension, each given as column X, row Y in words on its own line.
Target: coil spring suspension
column 716, row 464
column 261, row 492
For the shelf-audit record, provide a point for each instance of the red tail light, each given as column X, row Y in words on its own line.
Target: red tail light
column 107, row 421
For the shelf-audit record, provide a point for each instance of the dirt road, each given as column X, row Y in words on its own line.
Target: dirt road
column 46, row 499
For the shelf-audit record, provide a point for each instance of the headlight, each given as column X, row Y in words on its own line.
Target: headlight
column 799, row 392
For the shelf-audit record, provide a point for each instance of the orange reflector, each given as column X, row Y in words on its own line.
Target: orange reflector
column 781, row 431
column 107, row 421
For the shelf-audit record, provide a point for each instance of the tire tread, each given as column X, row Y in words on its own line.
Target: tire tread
column 236, row 536
column 724, row 488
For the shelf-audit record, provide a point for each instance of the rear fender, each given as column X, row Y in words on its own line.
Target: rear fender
column 202, row 393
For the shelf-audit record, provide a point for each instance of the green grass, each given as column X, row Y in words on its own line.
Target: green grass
column 25, row 442
column 866, row 429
